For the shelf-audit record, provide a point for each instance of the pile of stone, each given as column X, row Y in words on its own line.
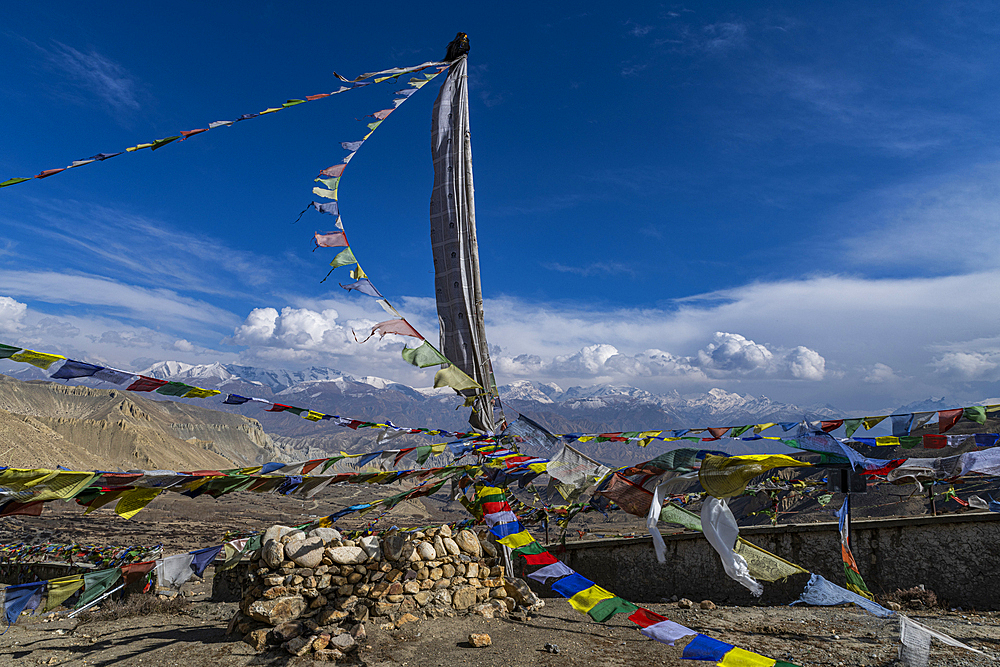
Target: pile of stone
column 312, row 593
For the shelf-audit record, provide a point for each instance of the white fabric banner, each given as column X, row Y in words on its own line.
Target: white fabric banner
column 721, row 531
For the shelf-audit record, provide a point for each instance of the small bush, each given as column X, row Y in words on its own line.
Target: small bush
column 905, row 598
column 134, row 605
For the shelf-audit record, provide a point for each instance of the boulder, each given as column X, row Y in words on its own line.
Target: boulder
column 293, row 536
column 468, row 543
column 372, row 547
column 306, row 553
column 298, row 646
column 344, row 642
column 439, row 547
column 273, row 553
column 396, row 547
column 325, row 534
column 450, row 546
column 278, row 610
column 257, row 639
column 488, row 548
column 463, row 598
column 347, row 555
column 426, row 551
column 285, row 631
column 328, row 655
column 275, row 532
column 479, row 640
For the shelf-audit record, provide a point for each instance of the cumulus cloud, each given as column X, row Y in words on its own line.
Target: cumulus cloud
column 880, row 374
column 727, row 355
column 968, row 365
column 11, row 314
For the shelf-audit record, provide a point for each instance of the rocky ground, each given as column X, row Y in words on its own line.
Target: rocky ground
column 197, row 637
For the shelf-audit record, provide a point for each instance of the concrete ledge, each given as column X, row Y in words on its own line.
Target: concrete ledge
column 953, row 555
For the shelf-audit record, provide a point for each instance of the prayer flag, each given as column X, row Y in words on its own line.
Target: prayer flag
column 608, row 607
column 198, row 392
column 452, row 376
column 976, row 413
column 75, row 369
column 61, row 589
column 727, row 476
column 852, row 425
column 534, row 554
column 132, row 502
column 517, row 539
column 173, row 571
column 143, row 383
column 400, row 327
column 901, row 424
column 16, row 598
column 665, row 631
column 763, row 564
column 948, row 418
column 203, row 558
column 424, row 355
column 174, row 389
column 703, row 647
column 872, row 422
column 345, row 257
column 555, row 571
column 331, row 240
column 96, row 584
column 113, row 376
column 135, row 571
column 38, row 359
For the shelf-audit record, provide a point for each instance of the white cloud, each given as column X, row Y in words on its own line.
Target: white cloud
column 11, row 314
column 733, row 352
column 969, row 365
column 880, row 374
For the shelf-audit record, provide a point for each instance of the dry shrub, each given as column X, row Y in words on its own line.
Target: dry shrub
column 134, row 605
column 927, row 598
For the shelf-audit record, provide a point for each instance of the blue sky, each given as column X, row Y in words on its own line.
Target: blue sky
column 783, row 199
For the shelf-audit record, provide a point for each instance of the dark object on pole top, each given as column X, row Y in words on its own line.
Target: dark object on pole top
column 458, row 47
column 846, row 481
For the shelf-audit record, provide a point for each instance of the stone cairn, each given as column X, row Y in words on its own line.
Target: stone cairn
column 312, row 593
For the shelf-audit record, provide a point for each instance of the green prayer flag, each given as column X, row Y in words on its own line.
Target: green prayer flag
column 672, row 513
column 529, row 549
column 174, row 389
column 159, row 143
column 423, row 453
column 605, row 609
column 345, row 257
column 97, row 583
column 13, row 181
column 739, row 430
column 292, row 103
column 6, row 351
column 976, row 413
column 852, row 425
column 910, row 441
column 423, row 356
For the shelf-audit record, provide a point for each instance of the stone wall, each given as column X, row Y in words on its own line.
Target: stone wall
column 956, row 556
column 312, row 593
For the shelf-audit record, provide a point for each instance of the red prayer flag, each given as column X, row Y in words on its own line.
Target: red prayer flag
column 645, row 618
column 334, row 171
column 493, row 508
column 317, row 97
column 136, row 570
column 50, row 172
column 718, row 432
column 25, row 509
column 191, row 133
column 935, row 441
column 948, row 418
column 544, row 558
column 401, row 327
column 331, row 240
column 311, row 465
column 278, row 407
column 832, row 425
column 143, row 383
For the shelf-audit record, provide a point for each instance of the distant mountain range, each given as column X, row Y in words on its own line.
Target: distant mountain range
column 597, row 408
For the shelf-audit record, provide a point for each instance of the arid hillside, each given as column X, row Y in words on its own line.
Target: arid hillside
column 44, row 424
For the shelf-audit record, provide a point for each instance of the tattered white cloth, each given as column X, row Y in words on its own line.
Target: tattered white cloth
column 721, row 531
column 173, row 571
column 915, row 642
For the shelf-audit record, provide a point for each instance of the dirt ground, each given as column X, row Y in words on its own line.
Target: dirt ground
column 197, row 636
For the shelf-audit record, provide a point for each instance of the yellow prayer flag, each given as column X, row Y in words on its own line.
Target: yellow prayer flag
column 323, row 192
column 104, row 499
column 763, row 427
column 765, row 565
column 60, row 589
column 872, row 422
column 270, row 110
column 588, row 598
column 887, row 441
column 727, row 476
column 438, row 449
column 585, row 438
column 517, row 540
column 29, row 485
column 39, row 359
column 198, row 392
column 738, row 657
column 135, row 500
column 313, row 416
column 452, row 376
column 538, row 467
